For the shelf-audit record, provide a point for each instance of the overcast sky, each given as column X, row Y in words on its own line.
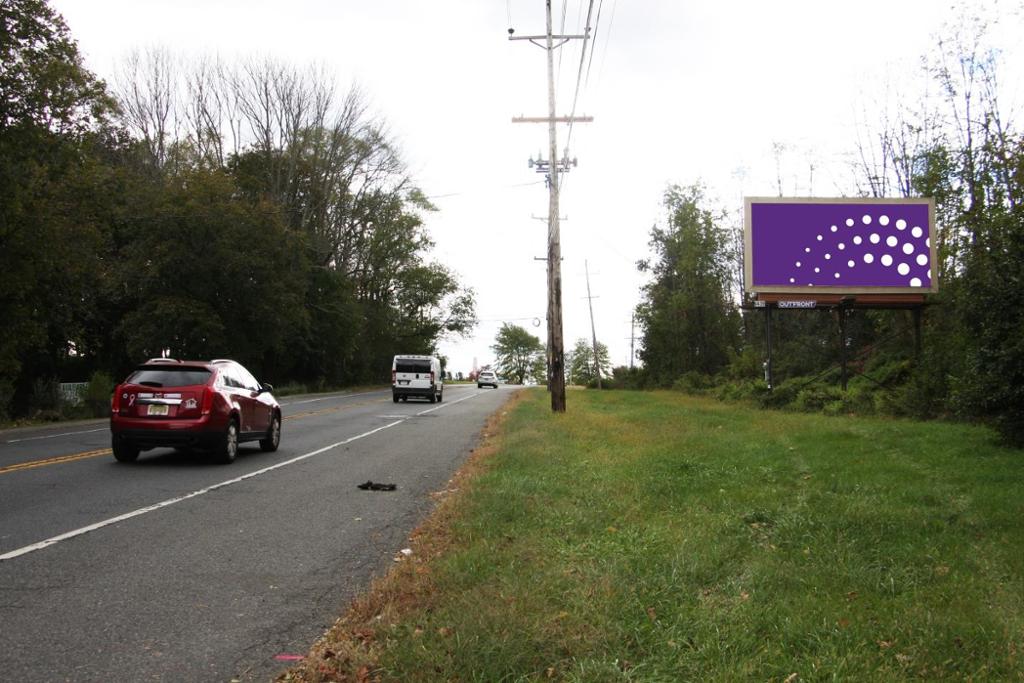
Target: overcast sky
column 680, row 91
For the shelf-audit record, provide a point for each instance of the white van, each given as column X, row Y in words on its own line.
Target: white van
column 416, row 376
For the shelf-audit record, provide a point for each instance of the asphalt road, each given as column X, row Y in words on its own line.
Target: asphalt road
column 176, row 569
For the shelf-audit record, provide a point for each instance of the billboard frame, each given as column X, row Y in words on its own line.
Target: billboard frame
column 827, row 291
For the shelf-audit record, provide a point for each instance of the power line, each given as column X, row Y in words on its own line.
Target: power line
column 579, row 75
column 597, row 26
column 484, row 189
column 607, row 41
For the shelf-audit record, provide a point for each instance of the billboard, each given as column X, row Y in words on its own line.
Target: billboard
column 840, row 246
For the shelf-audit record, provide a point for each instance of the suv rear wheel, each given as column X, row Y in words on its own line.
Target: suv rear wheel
column 124, row 451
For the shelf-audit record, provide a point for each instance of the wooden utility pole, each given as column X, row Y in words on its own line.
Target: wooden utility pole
column 556, row 348
column 593, row 330
column 632, row 333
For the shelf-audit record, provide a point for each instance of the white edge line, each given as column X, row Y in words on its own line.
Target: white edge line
column 339, row 396
column 54, row 436
column 171, row 501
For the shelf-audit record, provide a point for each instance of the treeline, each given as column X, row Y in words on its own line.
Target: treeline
column 201, row 210
column 956, row 145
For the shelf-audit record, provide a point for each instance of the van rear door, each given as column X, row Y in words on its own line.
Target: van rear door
column 413, row 373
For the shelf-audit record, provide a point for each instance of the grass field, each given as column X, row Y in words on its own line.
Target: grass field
column 661, row 537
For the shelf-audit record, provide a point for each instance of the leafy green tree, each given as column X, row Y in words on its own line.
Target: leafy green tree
column 518, row 354
column 52, row 111
column 214, row 276
column 581, row 362
column 688, row 321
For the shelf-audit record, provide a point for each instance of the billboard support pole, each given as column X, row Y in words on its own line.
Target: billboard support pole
column 917, row 333
column 842, row 345
column 768, row 344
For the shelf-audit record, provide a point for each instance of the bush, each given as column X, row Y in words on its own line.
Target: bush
column 693, row 382
column 781, row 395
column 742, row 390
column 6, row 394
column 96, row 397
column 814, row 398
column 45, row 402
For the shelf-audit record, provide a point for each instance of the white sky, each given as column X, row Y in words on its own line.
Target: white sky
column 680, row 91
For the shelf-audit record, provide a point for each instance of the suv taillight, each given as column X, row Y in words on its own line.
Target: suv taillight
column 207, row 401
column 431, row 376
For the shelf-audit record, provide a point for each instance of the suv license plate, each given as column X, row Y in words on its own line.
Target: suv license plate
column 155, row 409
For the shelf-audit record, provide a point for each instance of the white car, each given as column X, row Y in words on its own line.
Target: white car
column 486, row 379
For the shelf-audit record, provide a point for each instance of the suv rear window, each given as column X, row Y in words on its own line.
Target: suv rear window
column 170, row 377
column 421, row 366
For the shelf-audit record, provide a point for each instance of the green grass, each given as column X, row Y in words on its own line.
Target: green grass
column 660, row 537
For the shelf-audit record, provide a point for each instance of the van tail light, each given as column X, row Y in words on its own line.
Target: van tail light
column 431, row 376
column 207, row 401
column 394, row 376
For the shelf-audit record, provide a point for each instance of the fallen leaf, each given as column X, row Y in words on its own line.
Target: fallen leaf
column 851, row 596
column 843, row 623
column 791, row 678
column 651, row 614
column 444, row 631
column 885, row 644
column 942, row 570
column 744, row 595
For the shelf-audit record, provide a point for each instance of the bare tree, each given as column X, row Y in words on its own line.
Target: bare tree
column 146, row 88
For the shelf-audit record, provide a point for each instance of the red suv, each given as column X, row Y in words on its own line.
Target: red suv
column 211, row 405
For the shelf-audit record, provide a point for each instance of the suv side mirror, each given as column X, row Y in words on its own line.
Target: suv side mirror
column 266, row 386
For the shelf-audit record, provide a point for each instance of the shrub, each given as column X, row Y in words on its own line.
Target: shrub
column 96, row 397
column 693, row 382
column 6, row 394
column 814, row 398
column 45, row 401
column 781, row 395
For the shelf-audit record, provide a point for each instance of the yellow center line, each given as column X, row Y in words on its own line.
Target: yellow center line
column 54, row 461
column 106, row 451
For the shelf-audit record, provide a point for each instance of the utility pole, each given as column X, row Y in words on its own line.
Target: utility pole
column 547, row 345
column 556, row 353
column 593, row 331
column 632, row 333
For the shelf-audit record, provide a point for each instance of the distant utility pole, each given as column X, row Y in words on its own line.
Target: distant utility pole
column 593, row 331
column 632, row 334
column 556, row 353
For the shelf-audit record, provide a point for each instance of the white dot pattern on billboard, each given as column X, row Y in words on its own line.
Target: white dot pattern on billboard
column 874, row 238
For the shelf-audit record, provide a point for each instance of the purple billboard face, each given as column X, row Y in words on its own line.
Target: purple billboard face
column 845, row 245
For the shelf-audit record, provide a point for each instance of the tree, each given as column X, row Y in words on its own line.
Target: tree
column 581, row 362
column 689, row 323
column 519, row 355
column 52, row 111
